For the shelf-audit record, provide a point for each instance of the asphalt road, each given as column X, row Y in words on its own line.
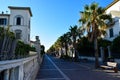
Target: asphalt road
column 53, row 68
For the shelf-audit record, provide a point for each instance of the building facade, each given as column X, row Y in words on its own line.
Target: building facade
column 114, row 30
column 19, row 21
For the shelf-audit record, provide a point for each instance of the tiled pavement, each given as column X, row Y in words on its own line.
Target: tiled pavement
column 56, row 69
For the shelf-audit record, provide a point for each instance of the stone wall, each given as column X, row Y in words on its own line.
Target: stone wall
column 20, row 69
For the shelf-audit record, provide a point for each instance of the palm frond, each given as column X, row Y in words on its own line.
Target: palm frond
column 86, row 7
column 100, row 10
column 93, row 6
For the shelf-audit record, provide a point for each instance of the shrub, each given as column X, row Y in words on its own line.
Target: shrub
column 32, row 49
column 103, row 43
column 85, row 47
column 116, row 45
column 22, row 49
column 42, row 49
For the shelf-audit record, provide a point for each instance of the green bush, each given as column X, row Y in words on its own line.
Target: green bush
column 103, row 43
column 32, row 49
column 116, row 45
column 22, row 49
column 85, row 48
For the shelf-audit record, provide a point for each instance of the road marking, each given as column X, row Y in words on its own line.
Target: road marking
column 65, row 76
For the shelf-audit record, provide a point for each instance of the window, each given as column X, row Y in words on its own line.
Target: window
column 111, row 32
column 18, row 34
column 29, row 24
column 28, row 37
column 3, row 21
column 18, row 21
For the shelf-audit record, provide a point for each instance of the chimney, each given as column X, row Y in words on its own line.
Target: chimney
column 6, row 12
column 2, row 12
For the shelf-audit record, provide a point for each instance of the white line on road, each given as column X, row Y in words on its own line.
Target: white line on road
column 51, row 79
column 65, row 76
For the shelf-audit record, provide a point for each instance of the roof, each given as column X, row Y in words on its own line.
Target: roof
column 21, row 8
column 32, row 41
column 115, row 1
column 4, row 14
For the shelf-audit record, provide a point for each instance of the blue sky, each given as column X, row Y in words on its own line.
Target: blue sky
column 51, row 18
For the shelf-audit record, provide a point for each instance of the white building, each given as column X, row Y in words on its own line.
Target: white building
column 19, row 22
column 114, row 10
column 32, row 43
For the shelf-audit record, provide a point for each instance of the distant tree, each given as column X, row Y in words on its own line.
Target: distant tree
column 74, row 34
column 51, row 49
column 67, row 41
column 42, row 49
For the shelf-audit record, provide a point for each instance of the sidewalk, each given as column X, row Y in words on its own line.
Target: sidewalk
column 90, row 64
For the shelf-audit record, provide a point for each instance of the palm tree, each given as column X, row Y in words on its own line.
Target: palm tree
column 7, row 38
column 74, row 34
column 66, row 38
column 1, row 37
column 80, row 31
column 59, row 44
column 62, row 42
column 1, row 40
column 95, row 21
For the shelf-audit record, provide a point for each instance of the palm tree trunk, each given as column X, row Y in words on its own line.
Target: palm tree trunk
column 9, row 46
column 66, row 49
column 1, row 42
column 3, row 45
column 13, row 47
column 96, row 53
column 6, row 44
column 76, row 56
column 6, row 47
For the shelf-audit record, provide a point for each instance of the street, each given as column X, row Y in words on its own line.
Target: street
column 53, row 68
